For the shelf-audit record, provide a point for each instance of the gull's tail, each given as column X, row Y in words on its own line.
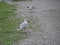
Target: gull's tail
column 18, row 29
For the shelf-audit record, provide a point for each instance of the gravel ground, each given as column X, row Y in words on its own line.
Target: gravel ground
column 45, row 22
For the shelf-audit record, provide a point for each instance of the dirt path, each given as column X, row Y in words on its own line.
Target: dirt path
column 45, row 22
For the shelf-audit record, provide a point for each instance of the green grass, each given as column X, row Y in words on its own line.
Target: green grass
column 8, row 25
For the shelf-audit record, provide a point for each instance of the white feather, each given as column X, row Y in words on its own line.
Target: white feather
column 23, row 25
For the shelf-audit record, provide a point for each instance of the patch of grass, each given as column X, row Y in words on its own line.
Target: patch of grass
column 8, row 25
column 6, row 10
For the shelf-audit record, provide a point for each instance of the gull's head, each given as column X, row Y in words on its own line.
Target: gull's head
column 31, row 6
column 26, row 20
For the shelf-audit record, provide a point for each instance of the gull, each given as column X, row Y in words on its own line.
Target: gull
column 31, row 8
column 23, row 25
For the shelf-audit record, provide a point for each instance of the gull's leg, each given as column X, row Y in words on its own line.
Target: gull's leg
column 24, row 30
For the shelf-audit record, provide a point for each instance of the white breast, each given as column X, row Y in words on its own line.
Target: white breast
column 23, row 25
